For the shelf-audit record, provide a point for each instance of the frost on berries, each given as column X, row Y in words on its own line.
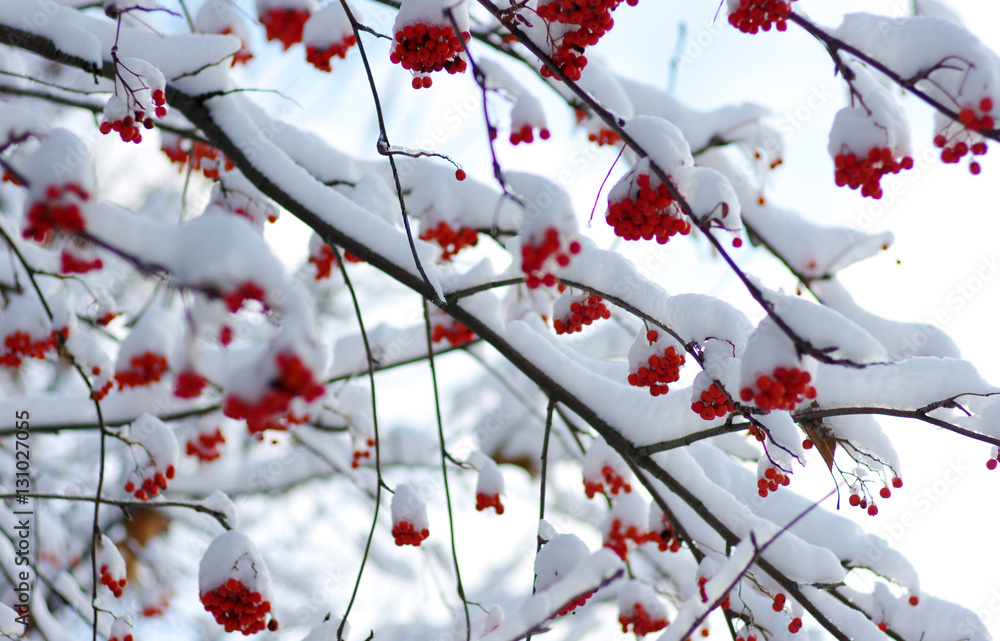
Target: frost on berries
column 548, row 231
column 425, row 41
column 490, row 485
column 526, row 116
column 284, row 20
column 869, row 139
column 60, row 188
column 627, row 521
column 560, row 555
column 289, row 378
column 605, row 471
column 140, row 94
column 328, row 34
column 571, row 312
column 641, row 608
column 574, row 25
column 655, row 359
column 152, row 458
column 409, row 516
column 121, row 629
column 26, row 331
column 223, row 18
column 111, row 566
column 750, row 16
column 641, row 207
column 234, row 584
column 144, row 355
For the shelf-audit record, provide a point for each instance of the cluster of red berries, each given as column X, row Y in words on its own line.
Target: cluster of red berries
column 967, row 116
column 59, row 211
column 617, row 539
column 237, row 609
column 320, row 58
column 572, row 605
column 362, row 454
column 324, row 262
column 651, row 214
column 150, row 486
column 247, row 291
column 604, row 136
column 189, row 384
column 581, row 313
column 285, row 25
column 866, row 172
column 404, row 534
column 98, row 393
column 660, row 369
column 773, row 479
column 423, row 48
column 666, row 539
column 855, row 500
column 128, row 127
column 640, row 621
column 526, row 135
column 206, row 446
column 858, row 501
column 450, row 240
column 455, row 333
column 795, row 625
column 73, row 264
column 484, row 501
column 534, row 257
column 592, row 19
column 615, row 483
column 19, row 344
column 115, row 585
column 146, row 368
column 712, row 404
column 271, row 411
column 754, row 15
column 782, row 391
column 956, row 147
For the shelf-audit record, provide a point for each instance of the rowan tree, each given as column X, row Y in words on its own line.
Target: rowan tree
column 464, row 410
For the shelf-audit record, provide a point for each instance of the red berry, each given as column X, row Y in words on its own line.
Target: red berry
column 897, row 482
column 460, row 174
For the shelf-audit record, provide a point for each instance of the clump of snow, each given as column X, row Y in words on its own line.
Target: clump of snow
column 409, row 506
